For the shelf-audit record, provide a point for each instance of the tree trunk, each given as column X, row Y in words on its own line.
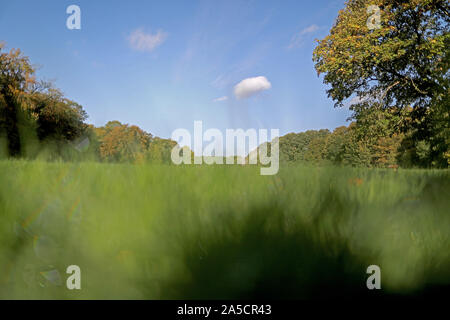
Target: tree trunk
column 11, row 126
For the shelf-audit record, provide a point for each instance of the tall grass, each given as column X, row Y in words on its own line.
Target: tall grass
column 167, row 232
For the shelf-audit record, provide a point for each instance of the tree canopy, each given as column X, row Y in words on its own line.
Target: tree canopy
column 26, row 102
column 402, row 63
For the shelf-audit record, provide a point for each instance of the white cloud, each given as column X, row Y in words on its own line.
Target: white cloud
column 221, row 99
column 251, row 86
column 297, row 39
column 141, row 41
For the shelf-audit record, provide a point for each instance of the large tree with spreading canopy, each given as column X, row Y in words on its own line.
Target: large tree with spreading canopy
column 35, row 104
column 399, row 62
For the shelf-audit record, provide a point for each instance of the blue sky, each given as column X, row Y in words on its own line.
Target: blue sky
column 163, row 64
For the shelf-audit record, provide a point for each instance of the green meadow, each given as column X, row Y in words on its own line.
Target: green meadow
column 208, row 232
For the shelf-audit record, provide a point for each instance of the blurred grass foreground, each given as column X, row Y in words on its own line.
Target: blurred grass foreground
column 165, row 232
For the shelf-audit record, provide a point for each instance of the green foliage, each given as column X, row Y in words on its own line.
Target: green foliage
column 296, row 147
column 57, row 118
column 351, row 146
column 122, row 143
column 117, row 142
column 402, row 64
column 32, row 110
column 404, row 61
column 16, row 75
column 160, row 150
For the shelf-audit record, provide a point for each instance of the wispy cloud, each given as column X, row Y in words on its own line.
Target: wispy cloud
column 224, row 98
column 141, row 41
column 221, row 81
column 251, row 86
column 297, row 39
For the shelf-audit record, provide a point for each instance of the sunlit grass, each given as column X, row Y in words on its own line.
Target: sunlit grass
column 156, row 232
